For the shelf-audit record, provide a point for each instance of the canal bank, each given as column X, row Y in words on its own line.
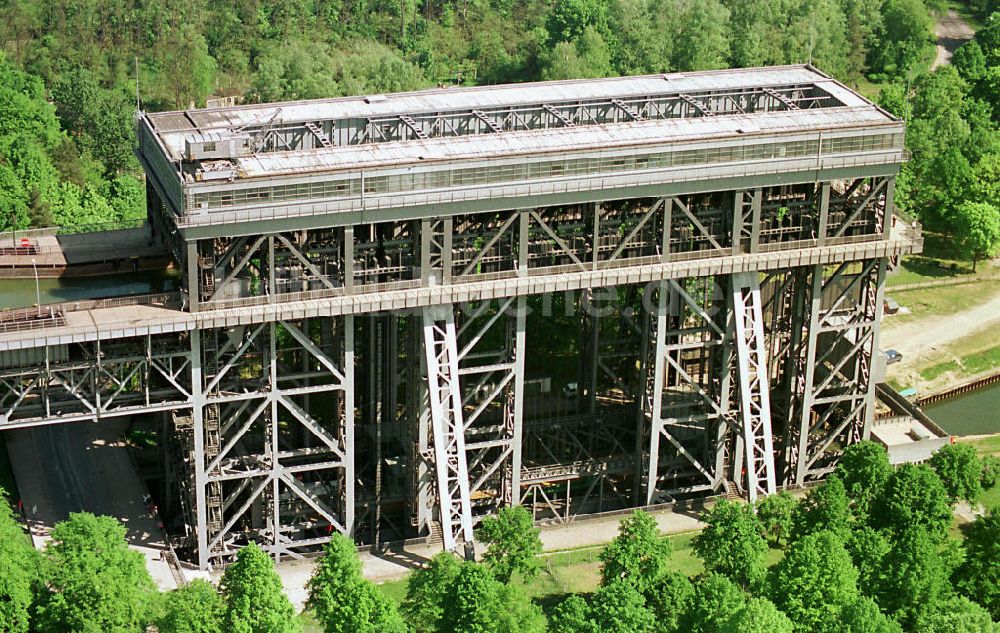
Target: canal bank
column 969, row 409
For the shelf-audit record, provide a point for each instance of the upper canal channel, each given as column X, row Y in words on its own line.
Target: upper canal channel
column 23, row 292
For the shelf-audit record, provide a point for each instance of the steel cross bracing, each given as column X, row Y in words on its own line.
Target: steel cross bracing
column 264, row 411
column 755, row 404
column 293, row 135
column 448, row 427
column 261, row 460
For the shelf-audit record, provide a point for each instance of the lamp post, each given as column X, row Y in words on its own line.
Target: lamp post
column 38, row 290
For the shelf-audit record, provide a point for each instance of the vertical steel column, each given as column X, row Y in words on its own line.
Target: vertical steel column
column 193, row 276
column 652, row 397
column 349, row 466
column 445, row 395
column 200, row 478
column 755, row 408
column 271, row 451
column 878, row 295
column 517, row 422
column 801, row 447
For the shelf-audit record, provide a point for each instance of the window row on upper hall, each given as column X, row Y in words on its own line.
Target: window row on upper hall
column 496, row 174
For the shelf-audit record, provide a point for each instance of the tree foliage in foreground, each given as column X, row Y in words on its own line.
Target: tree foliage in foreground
column 426, row 590
column 864, row 468
column 960, row 471
column 95, row 582
column 978, row 577
column 512, row 543
column 731, row 543
column 255, row 602
column 775, row 513
column 194, row 608
column 758, row 615
column 19, row 565
column 476, row 602
column 343, row 600
column 638, row 555
column 913, row 496
column 814, row 581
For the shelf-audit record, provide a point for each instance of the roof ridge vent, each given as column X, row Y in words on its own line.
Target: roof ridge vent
column 375, row 98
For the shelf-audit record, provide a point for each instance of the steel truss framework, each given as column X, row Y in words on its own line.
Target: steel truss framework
column 272, row 134
column 419, row 422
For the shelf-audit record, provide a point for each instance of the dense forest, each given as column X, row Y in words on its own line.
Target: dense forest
column 872, row 550
column 71, row 71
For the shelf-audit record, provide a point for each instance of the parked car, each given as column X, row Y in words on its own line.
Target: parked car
column 892, row 356
column 570, row 390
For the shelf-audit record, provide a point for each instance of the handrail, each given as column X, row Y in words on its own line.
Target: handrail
column 369, row 202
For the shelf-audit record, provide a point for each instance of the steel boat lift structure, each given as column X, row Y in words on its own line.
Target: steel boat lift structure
column 362, row 277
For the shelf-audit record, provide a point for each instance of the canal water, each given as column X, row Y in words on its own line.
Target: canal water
column 21, row 293
column 975, row 413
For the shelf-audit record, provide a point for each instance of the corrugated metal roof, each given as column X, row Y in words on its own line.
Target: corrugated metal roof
column 175, row 128
column 445, row 99
column 577, row 139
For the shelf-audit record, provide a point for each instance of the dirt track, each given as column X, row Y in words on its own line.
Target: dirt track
column 918, row 337
column 952, row 31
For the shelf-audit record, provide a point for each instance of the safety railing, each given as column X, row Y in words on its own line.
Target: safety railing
column 687, row 173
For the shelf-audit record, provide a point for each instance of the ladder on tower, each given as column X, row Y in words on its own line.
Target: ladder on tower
column 755, row 406
column 448, row 428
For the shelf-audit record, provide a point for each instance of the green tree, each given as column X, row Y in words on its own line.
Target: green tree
column 915, row 577
column 255, row 602
column 568, row 19
column 814, row 581
column 716, row 599
column 512, row 543
column 862, row 616
column 585, row 57
column 426, row 590
column 775, row 513
column 19, row 562
column 639, row 554
column 864, row 469
column 670, row 598
column 619, row 608
column 868, row 548
column 978, row 577
column 991, row 472
column 759, row 615
column 700, row 42
column 731, row 543
column 906, row 35
column 913, row 496
column 818, row 34
column 970, row 62
column 572, row 615
column 960, row 471
column 823, row 508
column 193, row 608
column 343, row 600
column 189, row 52
column 95, row 582
column 476, row 602
column 957, row 615
column 977, row 225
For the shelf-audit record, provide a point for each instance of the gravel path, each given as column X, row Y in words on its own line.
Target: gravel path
column 952, row 31
column 914, row 338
